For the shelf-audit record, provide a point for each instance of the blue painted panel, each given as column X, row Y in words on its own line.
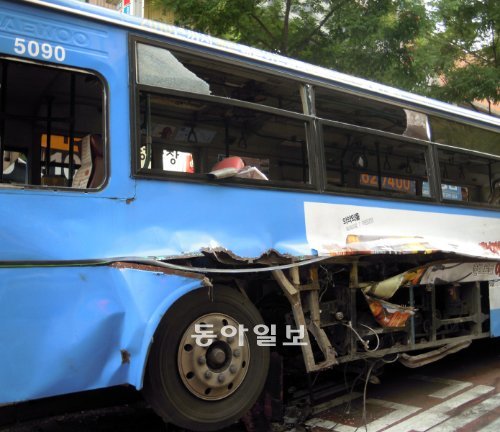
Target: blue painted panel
column 495, row 322
column 91, row 46
column 167, row 218
column 64, row 333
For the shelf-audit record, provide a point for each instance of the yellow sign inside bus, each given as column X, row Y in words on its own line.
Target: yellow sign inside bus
column 60, row 142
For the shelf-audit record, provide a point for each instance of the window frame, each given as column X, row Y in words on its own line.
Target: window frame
column 314, row 133
column 104, row 121
column 365, row 192
column 468, row 204
column 137, row 88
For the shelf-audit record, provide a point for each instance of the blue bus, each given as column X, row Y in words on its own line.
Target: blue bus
column 174, row 208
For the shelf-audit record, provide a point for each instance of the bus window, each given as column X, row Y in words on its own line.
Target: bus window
column 468, row 177
column 166, row 69
column 356, row 110
column 368, row 162
column 52, row 119
column 464, row 136
column 15, row 167
column 187, row 136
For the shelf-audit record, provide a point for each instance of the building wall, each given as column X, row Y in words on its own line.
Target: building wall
column 107, row 4
column 150, row 12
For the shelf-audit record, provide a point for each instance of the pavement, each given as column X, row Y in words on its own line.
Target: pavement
column 459, row 393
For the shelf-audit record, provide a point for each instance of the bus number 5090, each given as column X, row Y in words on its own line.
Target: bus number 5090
column 35, row 49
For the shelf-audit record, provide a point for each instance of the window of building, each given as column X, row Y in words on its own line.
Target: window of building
column 51, row 127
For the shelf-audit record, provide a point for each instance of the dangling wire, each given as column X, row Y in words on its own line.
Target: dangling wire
column 363, row 342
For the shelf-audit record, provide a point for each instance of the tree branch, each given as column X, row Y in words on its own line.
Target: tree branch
column 467, row 51
column 306, row 39
column 284, row 36
column 263, row 26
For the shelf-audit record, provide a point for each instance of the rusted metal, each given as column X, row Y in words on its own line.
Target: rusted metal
column 125, row 356
column 164, row 270
column 432, row 356
column 269, row 257
column 294, row 294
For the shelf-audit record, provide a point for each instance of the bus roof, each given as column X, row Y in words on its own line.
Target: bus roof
column 295, row 67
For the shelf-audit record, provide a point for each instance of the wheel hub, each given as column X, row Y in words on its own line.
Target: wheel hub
column 214, row 371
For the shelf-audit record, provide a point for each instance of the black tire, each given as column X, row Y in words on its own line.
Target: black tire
column 170, row 394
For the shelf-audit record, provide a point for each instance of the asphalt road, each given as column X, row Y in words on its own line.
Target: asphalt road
column 459, row 393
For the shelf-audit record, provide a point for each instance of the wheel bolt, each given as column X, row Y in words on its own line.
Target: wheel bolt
column 233, row 369
column 237, row 353
column 221, row 378
column 202, row 360
column 208, row 374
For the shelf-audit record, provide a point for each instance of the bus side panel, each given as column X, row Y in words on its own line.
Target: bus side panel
column 87, row 45
column 79, row 328
column 494, row 296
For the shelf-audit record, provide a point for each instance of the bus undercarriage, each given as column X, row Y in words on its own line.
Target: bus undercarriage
column 414, row 308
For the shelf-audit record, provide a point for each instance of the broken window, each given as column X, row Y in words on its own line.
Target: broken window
column 167, row 69
column 190, row 136
column 51, row 127
column 194, row 112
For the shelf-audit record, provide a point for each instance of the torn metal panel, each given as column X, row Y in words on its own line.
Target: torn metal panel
column 352, row 226
column 268, row 257
column 164, row 270
column 388, row 287
column 437, row 273
column 388, row 314
column 460, row 272
column 82, row 328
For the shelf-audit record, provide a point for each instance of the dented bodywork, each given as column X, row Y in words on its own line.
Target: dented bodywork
column 81, row 329
column 84, row 283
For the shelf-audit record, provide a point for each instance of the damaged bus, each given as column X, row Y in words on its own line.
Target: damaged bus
column 174, row 208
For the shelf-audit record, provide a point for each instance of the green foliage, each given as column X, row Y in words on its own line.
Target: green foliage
column 445, row 48
column 464, row 50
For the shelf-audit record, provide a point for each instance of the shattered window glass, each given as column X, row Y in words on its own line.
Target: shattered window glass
column 159, row 68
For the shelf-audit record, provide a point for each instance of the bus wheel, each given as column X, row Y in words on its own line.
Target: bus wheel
column 207, row 383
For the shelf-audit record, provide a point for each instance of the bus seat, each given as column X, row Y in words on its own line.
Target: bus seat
column 229, row 162
column 97, row 154
column 91, row 172
column 234, row 166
